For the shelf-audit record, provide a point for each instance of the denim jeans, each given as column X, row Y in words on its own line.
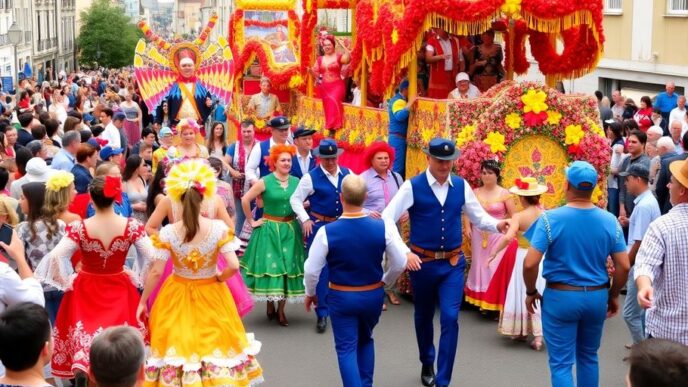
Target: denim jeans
column 613, row 201
column 633, row 314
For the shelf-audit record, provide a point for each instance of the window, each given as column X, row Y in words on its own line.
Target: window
column 613, row 7
column 677, row 7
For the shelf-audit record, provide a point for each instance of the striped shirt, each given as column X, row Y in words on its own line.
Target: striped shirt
column 663, row 257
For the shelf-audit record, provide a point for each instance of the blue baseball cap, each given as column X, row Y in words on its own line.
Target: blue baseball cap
column 165, row 131
column 109, row 151
column 404, row 85
column 581, row 175
column 119, row 116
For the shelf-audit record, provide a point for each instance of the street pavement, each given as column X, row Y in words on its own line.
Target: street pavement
column 297, row 356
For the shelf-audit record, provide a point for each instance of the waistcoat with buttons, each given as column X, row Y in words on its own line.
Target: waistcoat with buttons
column 325, row 197
column 264, row 153
column 355, row 248
column 433, row 226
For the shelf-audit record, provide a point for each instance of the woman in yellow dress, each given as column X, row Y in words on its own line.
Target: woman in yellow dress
column 197, row 338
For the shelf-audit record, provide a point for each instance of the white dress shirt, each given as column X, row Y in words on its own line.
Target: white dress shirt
column 305, row 189
column 304, row 162
column 395, row 251
column 252, row 169
column 403, row 200
column 14, row 290
column 677, row 114
column 111, row 134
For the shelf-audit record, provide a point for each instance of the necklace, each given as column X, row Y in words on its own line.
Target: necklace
column 283, row 181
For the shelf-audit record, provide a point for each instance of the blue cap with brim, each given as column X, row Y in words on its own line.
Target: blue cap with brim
column 581, row 175
column 108, row 152
column 404, row 84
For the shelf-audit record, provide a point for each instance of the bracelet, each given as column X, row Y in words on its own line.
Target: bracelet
column 530, row 294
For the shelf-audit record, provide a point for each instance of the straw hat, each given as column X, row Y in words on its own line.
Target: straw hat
column 527, row 186
column 679, row 169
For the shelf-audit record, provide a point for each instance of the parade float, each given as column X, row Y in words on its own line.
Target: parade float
column 531, row 128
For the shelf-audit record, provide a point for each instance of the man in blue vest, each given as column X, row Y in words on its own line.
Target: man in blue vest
column 303, row 161
column 399, row 109
column 352, row 248
column 256, row 167
column 320, row 187
column 435, row 200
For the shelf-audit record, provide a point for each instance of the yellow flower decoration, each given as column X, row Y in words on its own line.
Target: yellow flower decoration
column 395, row 36
column 596, row 128
column 553, row 117
column 466, row 135
column 596, row 194
column 574, row 133
column 496, row 142
column 193, row 259
column 295, row 81
column 189, row 174
column 59, row 180
column 534, row 101
column 353, row 136
column 513, row 120
column 259, row 124
column 511, row 7
column 427, row 135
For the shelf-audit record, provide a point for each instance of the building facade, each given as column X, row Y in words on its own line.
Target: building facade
column 66, row 36
column 643, row 50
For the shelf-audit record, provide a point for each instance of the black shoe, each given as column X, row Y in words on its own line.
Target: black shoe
column 427, row 376
column 321, row 327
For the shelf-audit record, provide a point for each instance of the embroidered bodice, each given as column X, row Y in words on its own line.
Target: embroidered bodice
column 496, row 208
column 330, row 71
column 195, row 260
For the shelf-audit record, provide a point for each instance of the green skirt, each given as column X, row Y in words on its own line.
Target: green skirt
column 272, row 265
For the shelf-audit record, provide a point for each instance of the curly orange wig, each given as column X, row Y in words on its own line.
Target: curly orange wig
column 275, row 153
column 376, row 147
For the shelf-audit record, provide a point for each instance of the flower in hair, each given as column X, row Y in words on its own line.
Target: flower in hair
column 59, row 180
column 191, row 174
column 112, row 189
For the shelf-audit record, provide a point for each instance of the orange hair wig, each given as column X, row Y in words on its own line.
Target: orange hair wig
column 275, row 153
column 377, row 147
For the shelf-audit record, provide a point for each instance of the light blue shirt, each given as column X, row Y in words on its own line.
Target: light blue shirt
column 63, row 161
column 576, row 242
column 665, row 103
column 645, row 212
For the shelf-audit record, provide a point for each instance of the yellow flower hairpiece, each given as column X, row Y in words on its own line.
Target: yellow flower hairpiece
column 59, row 180
column 188, row 174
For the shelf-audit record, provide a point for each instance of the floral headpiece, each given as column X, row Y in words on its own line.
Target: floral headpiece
column 59, row 180
column 187, row 122
column 112, row 188
column 189, row 174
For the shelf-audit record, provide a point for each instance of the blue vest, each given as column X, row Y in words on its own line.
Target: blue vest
column 355, row 248
column 296, row 167
column 264, row 153
column 325, row 198
column 435, row 227
column 396, row 126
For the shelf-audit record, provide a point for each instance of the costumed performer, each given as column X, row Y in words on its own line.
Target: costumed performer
column 435, row 200
column 303, row 161
column 399, row 107
column 188, row 98
column 272, row 265
column 485, row 284
column 515, row 320
column 321, row 188
column 352, row 247
column 103, row 293
column 236, row 158
column 327, row 72
column 444, row 56
column 197, row 337
column 189, row 146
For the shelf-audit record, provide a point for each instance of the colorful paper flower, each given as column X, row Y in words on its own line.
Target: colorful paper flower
column 511, row 7
column 59, row 180
column 534, row 101
column 295, row 81
column 513, row 120
column 193, row 173
column 553, row 117
column 574, row 134
column 467, row 134
column 596, row 194
column 395, row 36
column 496, row 142
column 259, row 124
column 534, row 119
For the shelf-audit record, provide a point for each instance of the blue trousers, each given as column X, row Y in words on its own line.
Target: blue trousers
column 53, row 299
column 399, row 145
column 633, row 314
column 572, row 323
column 438, row 282
column 322, row 289
column 354, row 315
column 613, row 201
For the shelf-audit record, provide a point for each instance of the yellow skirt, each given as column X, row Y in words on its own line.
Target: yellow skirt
column 197, row 338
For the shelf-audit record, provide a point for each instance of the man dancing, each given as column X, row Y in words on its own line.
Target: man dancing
column 434, row 200
column 352, row 248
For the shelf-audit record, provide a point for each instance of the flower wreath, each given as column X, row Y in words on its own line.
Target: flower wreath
column 59, row 180
column 531, row 109
column 188, row 174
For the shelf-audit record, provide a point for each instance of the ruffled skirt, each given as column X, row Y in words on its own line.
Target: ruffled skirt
column 515, row 319
column 197, row 338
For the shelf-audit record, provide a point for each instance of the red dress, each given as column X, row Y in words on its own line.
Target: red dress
column 103, row 294
column 332, row 91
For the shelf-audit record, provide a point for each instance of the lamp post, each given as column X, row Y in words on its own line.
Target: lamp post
column 14, row 34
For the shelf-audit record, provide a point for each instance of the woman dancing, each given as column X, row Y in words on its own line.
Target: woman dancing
column 331, row 88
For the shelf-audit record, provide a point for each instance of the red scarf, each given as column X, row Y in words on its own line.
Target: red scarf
column 238, row 184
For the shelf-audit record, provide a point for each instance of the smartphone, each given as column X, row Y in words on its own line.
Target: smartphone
column 6, row 233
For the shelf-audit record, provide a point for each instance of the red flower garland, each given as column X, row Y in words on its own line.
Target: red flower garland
column 262, row 24
column 580, row 53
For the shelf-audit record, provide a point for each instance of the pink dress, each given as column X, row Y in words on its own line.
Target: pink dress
column 480, row 289
column 242, row 298
column 332, row 91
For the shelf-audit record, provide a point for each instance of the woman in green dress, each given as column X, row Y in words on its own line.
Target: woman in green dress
column 272, row 265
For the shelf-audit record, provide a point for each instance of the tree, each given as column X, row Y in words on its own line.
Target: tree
column 107, row 35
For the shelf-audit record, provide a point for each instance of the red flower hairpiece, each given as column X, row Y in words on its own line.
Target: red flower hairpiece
column 199, row 188
column 112, row 189
column 521, row 184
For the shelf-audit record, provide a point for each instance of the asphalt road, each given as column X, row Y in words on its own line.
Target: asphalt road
column 296, row 356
